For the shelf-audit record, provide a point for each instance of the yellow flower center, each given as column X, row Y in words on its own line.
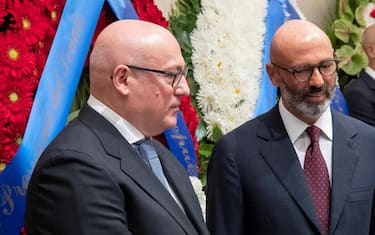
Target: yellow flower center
column 237, row 91
column 53, row 15
column 13, row 97
column 219, row 64
column 2, row 166
column 26, row 24
column 13, row 54
column 19, row 140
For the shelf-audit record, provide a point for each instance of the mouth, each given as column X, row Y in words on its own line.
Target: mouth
column 175, row 107
column 316, row 97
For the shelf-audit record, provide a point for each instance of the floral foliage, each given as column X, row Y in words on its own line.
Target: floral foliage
column 26, row 31
column 226, row 58
column 345, row 33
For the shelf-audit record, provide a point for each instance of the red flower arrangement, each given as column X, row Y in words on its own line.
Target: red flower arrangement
column 372, row 13
column 27, row 28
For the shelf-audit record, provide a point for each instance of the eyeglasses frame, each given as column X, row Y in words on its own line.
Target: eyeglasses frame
column 176, row 75
column 311, row 66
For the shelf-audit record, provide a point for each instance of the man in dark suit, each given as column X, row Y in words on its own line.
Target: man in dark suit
column 92, row 179
column 360, row 94
column 301, row 168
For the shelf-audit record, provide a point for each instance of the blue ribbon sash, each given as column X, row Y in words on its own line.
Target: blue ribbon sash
column 51, row 106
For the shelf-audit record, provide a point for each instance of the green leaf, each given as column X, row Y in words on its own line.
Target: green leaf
column 182, row 21
column 351, row 61
column 72, row 116
column 216, row 134
column 201, row 132
column 362, row 2
column 341, row 28
column 346, row 31
column 355, row 35
column 344, row 11
column 359, row 15
column 205, row 150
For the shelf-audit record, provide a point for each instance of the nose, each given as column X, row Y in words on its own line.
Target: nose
column 182, row 88
column 317, row 79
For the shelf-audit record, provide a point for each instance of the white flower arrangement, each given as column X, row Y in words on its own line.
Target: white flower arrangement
column 227, row 57
column 198, row 189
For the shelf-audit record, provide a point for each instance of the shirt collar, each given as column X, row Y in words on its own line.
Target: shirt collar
column 370, row 72
column 127, row 130
column 295, row 127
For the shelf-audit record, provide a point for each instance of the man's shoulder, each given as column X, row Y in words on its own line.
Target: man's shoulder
column 358, row 84
column 348, row 122
column 74, row 138
column 252, row 127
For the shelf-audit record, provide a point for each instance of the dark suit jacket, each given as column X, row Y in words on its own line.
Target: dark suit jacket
column 360, row 98
column 256, row 184
column 90, row 181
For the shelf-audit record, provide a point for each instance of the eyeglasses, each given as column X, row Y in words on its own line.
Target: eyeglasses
column 176, row 76
column 303, row 73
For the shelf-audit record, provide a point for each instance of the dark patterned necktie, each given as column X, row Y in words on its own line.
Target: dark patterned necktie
column 316, row 173
column 149, row 155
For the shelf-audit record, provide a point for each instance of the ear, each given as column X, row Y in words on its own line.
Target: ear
column 273, row 74
column 120, row 77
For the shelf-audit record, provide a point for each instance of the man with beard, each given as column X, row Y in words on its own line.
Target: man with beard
column 301, row 168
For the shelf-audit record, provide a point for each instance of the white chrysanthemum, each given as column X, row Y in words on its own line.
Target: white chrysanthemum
column 198, row 189
column 227, row 57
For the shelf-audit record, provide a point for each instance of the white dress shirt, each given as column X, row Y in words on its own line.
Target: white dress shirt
column 370, row 72
column 296, row 130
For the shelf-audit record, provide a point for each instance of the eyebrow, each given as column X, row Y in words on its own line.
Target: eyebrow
column 308, row 65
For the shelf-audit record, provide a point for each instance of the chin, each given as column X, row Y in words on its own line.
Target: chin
column 313, row 110
column 170, row 123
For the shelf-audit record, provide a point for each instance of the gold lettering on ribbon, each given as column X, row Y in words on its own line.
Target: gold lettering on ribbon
column 60, row 77
column 7, row 203
column 176, row 135
column 9, row 193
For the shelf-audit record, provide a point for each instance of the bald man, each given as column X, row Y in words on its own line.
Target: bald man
column 92, row 178
column 301, row 168
column 360, row 94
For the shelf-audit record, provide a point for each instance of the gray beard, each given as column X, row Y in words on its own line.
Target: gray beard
column 305, row 108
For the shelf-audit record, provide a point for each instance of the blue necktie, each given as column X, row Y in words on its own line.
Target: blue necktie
column 150, row 156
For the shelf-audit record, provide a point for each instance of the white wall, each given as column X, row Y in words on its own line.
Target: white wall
column 165, row 6
column 319, row 12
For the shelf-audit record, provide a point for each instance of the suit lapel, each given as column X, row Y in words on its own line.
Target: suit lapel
column 135, row 168
column 185, row 194
column 344, row 160
column 132, row 165
column 278, row 151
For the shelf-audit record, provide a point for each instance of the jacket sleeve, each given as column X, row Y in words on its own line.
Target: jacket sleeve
column 70, row 193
